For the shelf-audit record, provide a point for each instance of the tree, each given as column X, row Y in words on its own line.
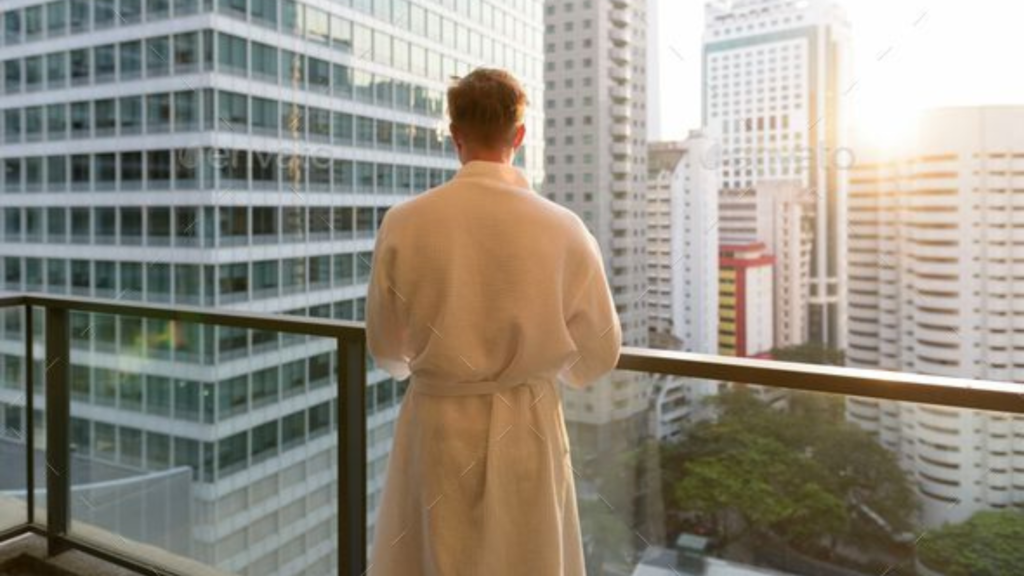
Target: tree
column 810, row 354
column 871, row 475
column 772, row 488
column 988, row 544
column 859, row 467
column 800, row 475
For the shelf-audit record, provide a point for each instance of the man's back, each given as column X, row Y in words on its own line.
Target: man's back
column 490, row 269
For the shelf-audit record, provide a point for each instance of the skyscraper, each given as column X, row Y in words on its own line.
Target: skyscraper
column 775, row 77
column 934, row 246
column 595, row 164
column 682, row 264
column 595, row 107
column 237, row 154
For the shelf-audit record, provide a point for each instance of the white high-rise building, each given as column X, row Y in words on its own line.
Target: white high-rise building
column 775, row 76
column 682, row 245
column 237, row 154
column 783, row 226
column 682, row 264
column 935, row 246
column 595, row 108
column 596, row 164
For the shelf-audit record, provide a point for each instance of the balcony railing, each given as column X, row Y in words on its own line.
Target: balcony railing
column 54, row 521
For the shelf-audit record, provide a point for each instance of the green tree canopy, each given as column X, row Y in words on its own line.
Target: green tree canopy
column 801, row 474
column 991, row 543
column 770, row 486
column 809, row 354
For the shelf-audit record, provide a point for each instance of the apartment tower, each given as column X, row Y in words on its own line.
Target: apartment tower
column 682, row 240
column 746, row 295
column 595, row 108
column 935, row 247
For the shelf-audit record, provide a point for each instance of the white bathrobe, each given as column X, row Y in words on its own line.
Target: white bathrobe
column 487, row 294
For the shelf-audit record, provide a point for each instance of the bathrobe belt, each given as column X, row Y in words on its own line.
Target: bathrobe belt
column 480, row 387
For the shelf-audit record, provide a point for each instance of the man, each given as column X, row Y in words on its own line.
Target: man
column 486, row 294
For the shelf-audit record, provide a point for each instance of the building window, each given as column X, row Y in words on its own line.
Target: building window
column 158, row 57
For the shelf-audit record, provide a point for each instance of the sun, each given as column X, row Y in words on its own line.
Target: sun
column 885, row 119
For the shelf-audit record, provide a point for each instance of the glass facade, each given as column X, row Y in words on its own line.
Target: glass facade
column 240, row 154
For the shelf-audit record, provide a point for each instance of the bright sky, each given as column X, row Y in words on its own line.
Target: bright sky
column 959, row 52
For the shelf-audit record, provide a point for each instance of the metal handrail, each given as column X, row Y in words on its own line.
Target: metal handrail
column 875, row 384
column 220, row 317
column 350, row 337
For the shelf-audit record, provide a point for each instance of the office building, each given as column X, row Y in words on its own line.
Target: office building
column 933, row 245
column 237, row 154
column 775, row 82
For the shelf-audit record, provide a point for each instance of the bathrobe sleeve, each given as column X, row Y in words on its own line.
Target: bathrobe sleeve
column 386, row 330
column 593, row 323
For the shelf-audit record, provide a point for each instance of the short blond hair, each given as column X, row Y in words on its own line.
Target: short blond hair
column 487, row 106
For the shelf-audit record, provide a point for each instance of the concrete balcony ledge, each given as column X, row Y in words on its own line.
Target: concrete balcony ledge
column 621, row 73
column 621, row 130
column 620, row 55
column 622, row 111
column 619, row 36
column 622, row 167
column 26, row 555
column 622, row 187
column 621, row 207
column 621, row 16
column 622, row 148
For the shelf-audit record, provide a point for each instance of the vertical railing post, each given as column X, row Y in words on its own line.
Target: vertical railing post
column 30, row 420
column 58, row 417
column 351, row 457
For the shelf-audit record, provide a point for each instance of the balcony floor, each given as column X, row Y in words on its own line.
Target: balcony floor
column 26, row 556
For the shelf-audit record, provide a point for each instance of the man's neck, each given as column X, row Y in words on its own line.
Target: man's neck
column 498, row 156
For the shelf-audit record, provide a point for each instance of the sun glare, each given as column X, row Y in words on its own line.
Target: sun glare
column 886, row 104
column 885, row 124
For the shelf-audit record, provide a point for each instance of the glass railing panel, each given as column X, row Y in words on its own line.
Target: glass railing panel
column 13, row 419
column 204, row 448
column 686, row 476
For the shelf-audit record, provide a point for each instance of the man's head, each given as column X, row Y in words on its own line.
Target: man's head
column 486, row 109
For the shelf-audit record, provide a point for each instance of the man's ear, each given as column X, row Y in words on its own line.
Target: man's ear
column 517, row 140
column 456, row 135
